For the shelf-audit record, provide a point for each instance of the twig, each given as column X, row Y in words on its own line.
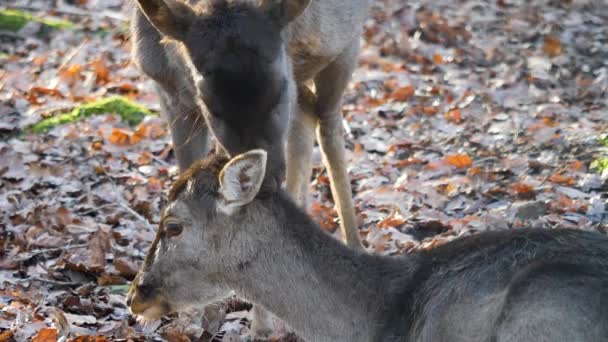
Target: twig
column 55, row 282
column 136, row 214
column 108, row 205
column 35, row 253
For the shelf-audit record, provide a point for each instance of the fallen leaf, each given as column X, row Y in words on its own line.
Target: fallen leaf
column 403, row 94
column 6, row 335
column 393, row 220
column 46, row 335
column 522, row 190
column 552, row 46
column 438, row 59
column 120, row 137
column 100, row 68
column 71, row 74
column 453, row 115
column 559, row 179
column 458, row 160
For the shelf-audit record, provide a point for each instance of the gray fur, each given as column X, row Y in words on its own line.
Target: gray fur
column 290, row 45
column 520, row 285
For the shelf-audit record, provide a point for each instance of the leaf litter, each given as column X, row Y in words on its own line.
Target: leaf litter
column 461, row 118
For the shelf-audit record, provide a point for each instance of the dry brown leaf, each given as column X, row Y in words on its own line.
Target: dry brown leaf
column 403, row 93
column 120, row 137
column 102, row 74
column 522, row 190
column 89, row 338
column 63, row 216
column 126, row 268
column 71, row 74
column 46, row 91
column 6, row 335
column 98, row 246
column 46, row 335
column 552, row 46
column 438, row 59
column 453, row 115
column 559, row 179
column 392, row 220
column 458, row 160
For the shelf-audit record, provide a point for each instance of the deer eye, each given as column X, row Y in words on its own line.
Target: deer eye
column 173, row 227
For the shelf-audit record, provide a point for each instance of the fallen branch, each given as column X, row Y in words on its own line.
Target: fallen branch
column 38, row 252
column 55, row 282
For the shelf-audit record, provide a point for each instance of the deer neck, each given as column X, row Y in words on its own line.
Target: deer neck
column 320, row 287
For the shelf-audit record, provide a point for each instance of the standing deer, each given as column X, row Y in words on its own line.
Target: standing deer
column 242, row 69
column 219, row 233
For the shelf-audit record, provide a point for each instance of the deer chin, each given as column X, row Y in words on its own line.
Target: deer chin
column 151, row 310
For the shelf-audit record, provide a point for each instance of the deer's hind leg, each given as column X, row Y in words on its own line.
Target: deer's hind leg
column 330, row 84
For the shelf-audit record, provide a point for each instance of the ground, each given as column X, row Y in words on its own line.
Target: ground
column 464, row 116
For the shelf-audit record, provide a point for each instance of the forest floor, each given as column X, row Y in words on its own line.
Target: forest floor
column 463, row 117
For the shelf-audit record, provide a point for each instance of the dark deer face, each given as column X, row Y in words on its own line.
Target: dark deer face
column 238, row 63
column 203, row 242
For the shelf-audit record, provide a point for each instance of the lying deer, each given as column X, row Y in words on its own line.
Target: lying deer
column 219, row 233
column 242, row 69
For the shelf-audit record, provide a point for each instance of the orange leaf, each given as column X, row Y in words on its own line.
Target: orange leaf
column 407, row 162
column 437, row 58
column 391, row 221
column 6, row 335
column 119, row 137
column 155, row 184
column 552, row 46
column 358, row 148
column 403, row 93
column 46, row 335
column 71, row 73
column 46, row 91
column 324, row 215
column 144, row 158
column 453, row 115
column 102, row 73
column 459, row 160
column 474, row 171
column 89, row 338
column 522, row 190
column 576, row 165
column 559, row 179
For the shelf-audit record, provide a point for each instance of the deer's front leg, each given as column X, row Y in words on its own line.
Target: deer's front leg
column 330, row 84
column 189, row 131
column 300, row 143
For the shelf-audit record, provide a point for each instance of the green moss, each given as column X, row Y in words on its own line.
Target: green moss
column 129, row 111
column 600, row 165
column 14, row 20
column 603, row 139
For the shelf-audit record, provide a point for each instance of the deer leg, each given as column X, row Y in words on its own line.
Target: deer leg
column 300, row 143
column 189, row 131
column 330, row 84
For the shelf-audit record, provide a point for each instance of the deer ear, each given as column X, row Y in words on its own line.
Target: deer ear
column 284, row 11
column 170, row 17
column 240, row 180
